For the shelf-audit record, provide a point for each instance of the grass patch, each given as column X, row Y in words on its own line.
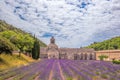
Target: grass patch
column 95, row 78
column 97, row 73
column 9, row 61
column 104, row 76
column 69, row 78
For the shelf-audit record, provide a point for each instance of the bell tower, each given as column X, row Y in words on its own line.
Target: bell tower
column 52, row 49
column 52, row 40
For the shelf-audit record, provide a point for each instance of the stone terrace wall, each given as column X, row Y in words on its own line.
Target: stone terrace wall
column 112, row 54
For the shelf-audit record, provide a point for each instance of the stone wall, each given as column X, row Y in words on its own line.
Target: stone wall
column 112, row 54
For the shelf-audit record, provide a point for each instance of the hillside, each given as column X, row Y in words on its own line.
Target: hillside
column 7, row 61
column 15, row 39
column 113, row 43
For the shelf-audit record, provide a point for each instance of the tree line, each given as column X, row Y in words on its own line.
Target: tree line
column 14, row 39
column 110, row 44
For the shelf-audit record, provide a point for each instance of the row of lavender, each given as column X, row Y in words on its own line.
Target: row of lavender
column 90, row 70
column 30, row 72
column 64, row 70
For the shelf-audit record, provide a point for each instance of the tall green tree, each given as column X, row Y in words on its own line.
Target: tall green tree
column 36, row 49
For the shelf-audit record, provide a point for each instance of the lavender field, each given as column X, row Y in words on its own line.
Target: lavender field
column 64, row 70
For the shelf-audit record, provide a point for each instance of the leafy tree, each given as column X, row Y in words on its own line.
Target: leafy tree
column 21, row 40
column 8, row 34
column 115, row 46
column 6, row 46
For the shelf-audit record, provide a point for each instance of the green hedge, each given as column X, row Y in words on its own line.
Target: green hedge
column 116, row 61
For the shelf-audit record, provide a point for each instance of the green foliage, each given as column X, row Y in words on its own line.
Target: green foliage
column 36, row 49
column 113, row 43
column 21, row 40
column 102, row 57
column 6, row 46
column 116, row 61
column 104, row 76
column 69, row 78
column 98, row 73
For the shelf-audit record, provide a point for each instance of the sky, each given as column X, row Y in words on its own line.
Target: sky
column 73, row 23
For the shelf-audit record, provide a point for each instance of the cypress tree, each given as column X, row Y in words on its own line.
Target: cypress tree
column 36, row 50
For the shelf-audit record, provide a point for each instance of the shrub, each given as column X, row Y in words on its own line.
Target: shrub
column 104, row 76
column 116, row 61
column 102, row 57
column 69, row 78
column 98, row 73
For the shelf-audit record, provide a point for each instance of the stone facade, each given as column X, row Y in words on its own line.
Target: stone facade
column 52, row 51
column 112, row 54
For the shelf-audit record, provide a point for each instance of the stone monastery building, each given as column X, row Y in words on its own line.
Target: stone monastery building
column 52, row 51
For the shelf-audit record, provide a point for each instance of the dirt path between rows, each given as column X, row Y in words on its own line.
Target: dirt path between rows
column 51, row 73
column 61, row 73
column 11, row 78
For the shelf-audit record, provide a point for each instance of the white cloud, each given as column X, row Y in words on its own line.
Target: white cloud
column 74, row 23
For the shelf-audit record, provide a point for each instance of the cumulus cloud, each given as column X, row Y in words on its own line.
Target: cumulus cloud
column 74, row 23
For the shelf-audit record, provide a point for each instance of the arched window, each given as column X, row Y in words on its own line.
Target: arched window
column 85, row 55
column 75, row 56
column 81, row 56
column 91, row 56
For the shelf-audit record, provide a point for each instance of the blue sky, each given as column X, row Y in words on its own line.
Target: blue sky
column 74, row 23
